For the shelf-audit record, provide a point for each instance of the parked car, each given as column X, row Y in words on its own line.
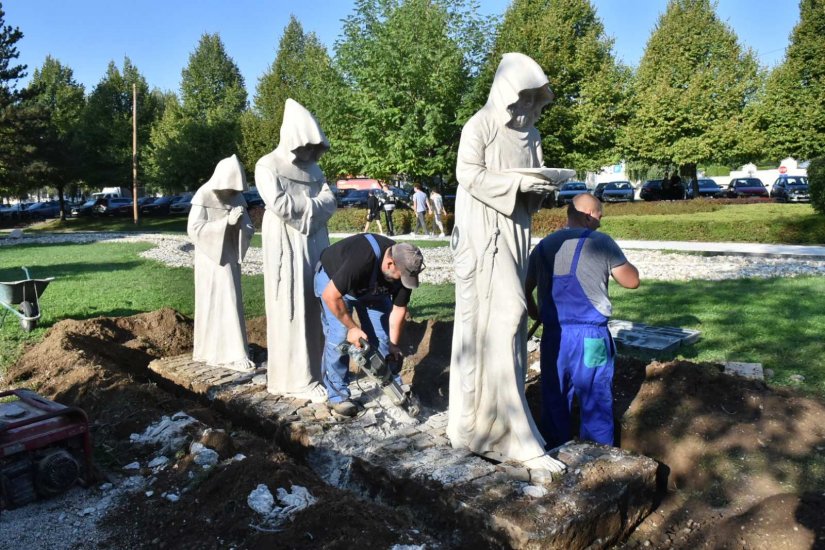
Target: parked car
column 42, row 210
column 159, row 206
column 86, row 208
column 569, row 190
column 791, row 189
column 13, row 211
column 656, row 190
column 747, row 187
column 354, row 198
column 617, row 191
column 111, row 206
column 707, row 189
column 183, row 206
column 253, row 198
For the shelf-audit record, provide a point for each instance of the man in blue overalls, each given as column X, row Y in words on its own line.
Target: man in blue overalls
column 571, row 269
column 374, row 276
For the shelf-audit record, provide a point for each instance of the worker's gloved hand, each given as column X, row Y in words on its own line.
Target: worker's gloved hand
column 396, row 353
column 354, row 336
column 531, row 184
column 235, row 215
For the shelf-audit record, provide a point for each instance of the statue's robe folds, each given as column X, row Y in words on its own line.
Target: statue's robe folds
column 488, row 412
column 298, row 205
column 220, row 330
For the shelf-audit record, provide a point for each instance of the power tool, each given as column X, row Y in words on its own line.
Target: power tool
column 376, row 367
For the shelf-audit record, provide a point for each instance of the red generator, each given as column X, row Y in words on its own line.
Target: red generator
column 45, row 447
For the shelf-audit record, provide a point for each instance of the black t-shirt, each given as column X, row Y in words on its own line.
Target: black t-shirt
column 350, row 262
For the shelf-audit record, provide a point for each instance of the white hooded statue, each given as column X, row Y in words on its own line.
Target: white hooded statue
column 500, row 187
column 298, row 205
column 220, row 228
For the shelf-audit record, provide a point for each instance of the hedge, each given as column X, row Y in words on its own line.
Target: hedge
column 816, row 184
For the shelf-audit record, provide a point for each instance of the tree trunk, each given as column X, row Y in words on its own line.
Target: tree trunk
column 62, row 201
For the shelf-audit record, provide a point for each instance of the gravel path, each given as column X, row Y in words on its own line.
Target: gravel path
column 177, row 251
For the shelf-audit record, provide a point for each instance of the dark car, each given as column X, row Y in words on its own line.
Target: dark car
column 13, row 211
column 569, row 190
column 354, row 198
column 159, row 206
column 661, row 190
column 791, row 189
column 182, row 206
column 87, row 208
column 617, row 191
column 707, row 189
column 42, row 210
column 253, row 198
column 746, row 187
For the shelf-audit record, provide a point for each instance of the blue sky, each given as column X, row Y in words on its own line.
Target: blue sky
column 159, row 35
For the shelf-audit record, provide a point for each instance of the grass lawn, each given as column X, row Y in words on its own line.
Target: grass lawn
column 778, row 322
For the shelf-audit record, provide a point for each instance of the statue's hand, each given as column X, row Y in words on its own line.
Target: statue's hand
column 531, row 184
column 235, row 215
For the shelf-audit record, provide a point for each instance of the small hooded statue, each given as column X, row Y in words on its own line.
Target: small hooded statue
column 488, row 411
column 220, row 228
column 298, row 205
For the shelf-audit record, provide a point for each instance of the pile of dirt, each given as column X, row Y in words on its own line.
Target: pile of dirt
column 101, row 365
column 746, row 461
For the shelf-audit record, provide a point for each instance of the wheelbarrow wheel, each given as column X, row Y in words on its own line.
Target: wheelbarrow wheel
column 28, row 310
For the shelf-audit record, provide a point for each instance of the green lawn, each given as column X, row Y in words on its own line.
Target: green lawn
column 778, row 322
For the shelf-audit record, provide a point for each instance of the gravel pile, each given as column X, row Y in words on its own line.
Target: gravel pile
column 178, row 251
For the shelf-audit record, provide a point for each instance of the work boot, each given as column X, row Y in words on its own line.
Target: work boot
column 345, row 408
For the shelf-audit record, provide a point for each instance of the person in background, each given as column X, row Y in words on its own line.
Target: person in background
column 571, row 268
column 373, row 211
column 437, row 202
column 421, row 206
column 389, row 208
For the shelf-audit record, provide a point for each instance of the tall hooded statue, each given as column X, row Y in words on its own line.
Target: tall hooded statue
column 220, row 228
column 495, row 202
column 298, row 205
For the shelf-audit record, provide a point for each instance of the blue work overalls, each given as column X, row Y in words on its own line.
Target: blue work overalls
column 373, row 314
column 577, row 356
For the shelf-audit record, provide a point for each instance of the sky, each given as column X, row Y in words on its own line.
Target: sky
column 159, row 35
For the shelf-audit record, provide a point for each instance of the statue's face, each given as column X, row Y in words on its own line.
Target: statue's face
column 226, row 195
column 526, row 111
column 308, row 153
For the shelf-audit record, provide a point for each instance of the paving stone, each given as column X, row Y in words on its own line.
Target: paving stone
column 746, row 370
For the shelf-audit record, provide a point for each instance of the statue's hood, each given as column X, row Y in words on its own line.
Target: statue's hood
column 229, row 175
column 516, row 73
column 298, row 129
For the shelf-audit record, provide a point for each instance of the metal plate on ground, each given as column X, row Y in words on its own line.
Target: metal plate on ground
column 651, row 338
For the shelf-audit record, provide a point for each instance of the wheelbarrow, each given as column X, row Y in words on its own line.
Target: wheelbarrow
column 26, row 295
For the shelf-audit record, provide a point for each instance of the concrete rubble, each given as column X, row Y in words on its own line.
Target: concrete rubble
column 383, row 453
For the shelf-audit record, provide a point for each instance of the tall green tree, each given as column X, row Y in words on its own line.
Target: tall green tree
column 60, row 100
column 302, row 70
column 791, row 114
column 690, row 91
column 204, row 127
column 566, row 37
column 106, row 126
column 14, row 143
column 408, row 65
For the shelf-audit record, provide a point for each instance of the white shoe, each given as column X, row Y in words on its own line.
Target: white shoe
column 442, row 235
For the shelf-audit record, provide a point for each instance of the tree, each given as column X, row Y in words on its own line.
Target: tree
column 405, row 91
column 579, row 129
column 106, row 126
column 59, row 99
column 204, row 127
column 690, row 91
column 13, row 146
column 791, row 114
column 302, row 70
column 816, row 178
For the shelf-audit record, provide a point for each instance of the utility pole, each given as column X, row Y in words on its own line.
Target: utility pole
column 135, row 209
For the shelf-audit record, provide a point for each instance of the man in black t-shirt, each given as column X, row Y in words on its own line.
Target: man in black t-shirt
column 374, row 276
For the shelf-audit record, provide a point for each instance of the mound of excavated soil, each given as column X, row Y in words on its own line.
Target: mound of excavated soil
column 101, row 364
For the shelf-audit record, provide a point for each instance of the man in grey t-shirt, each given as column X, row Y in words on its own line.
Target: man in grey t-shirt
column 571, row 269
